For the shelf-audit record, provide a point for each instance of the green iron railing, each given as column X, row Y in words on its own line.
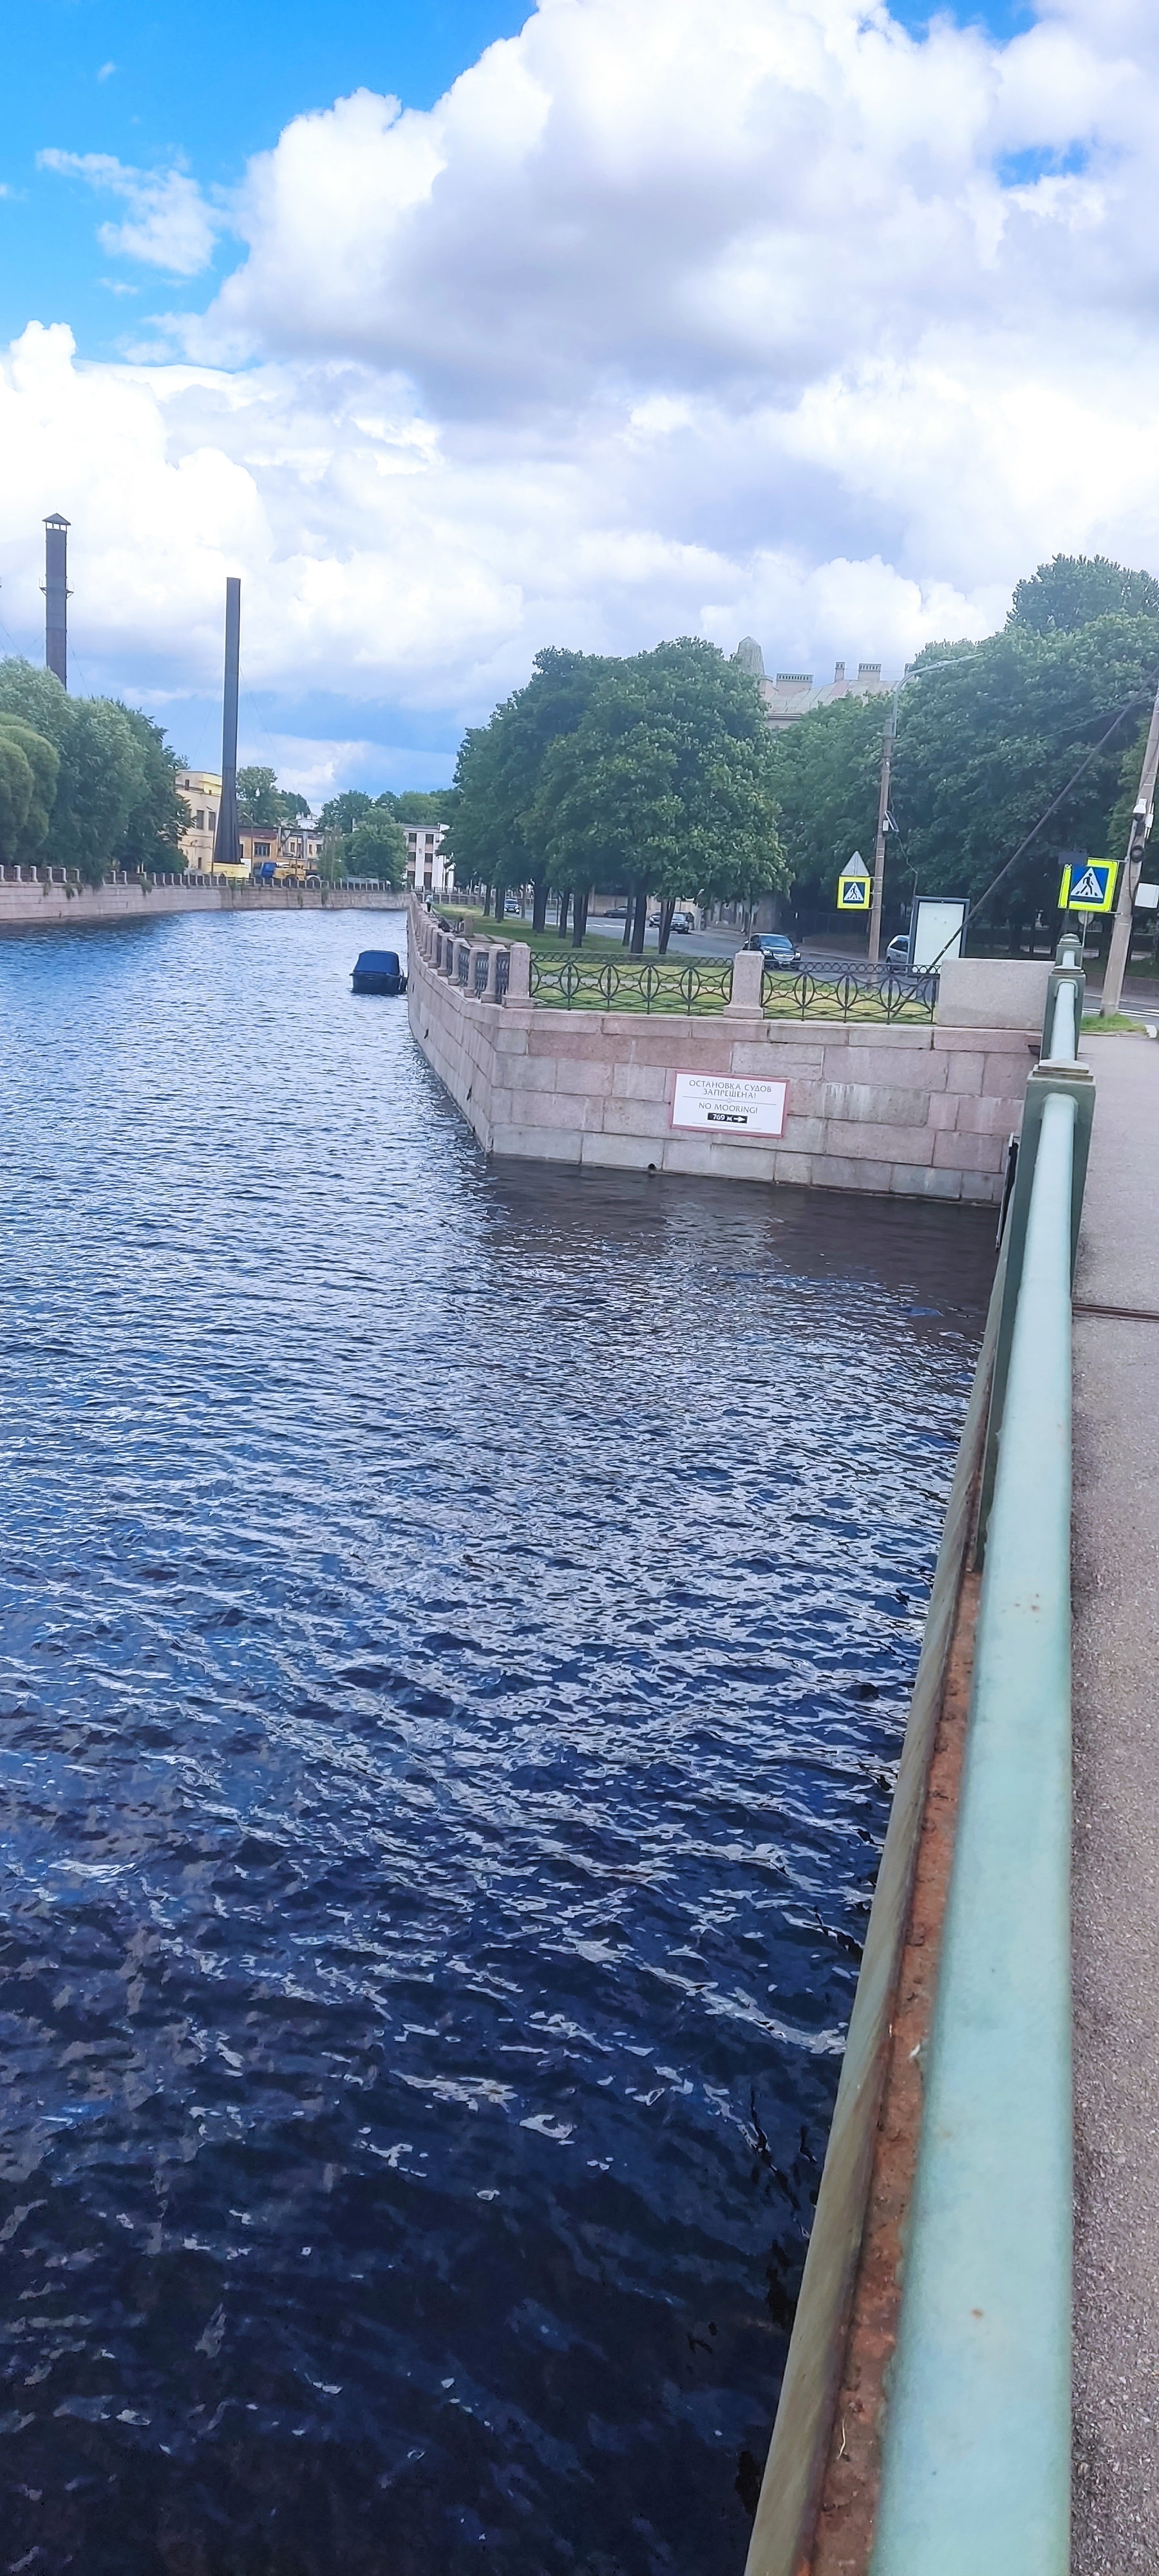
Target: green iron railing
column 976, row 2448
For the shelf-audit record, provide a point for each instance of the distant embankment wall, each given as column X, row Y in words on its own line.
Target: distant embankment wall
column 38, row 901
column 907, row 1111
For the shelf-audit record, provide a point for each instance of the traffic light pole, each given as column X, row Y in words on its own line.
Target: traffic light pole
column 882, row 828
column 1120, row 947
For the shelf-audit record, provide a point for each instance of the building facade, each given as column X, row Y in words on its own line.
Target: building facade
column 201, row 789
column 427, row 872
column 792, row 694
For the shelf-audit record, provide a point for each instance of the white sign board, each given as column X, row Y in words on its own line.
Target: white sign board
column 720, row 1106
column 939, row 925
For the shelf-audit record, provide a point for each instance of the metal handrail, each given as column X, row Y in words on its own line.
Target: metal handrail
column 976, row 2454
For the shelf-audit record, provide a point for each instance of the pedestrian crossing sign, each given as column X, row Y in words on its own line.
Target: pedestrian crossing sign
column 1088, row 885
column 853, row 886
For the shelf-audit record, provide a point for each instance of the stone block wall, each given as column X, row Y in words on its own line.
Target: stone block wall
column 911, row 1112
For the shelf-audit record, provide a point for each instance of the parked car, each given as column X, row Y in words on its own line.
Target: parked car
column 684, row 921
column 777, row 947
column 897, row 953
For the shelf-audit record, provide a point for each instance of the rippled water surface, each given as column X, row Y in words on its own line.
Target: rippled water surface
column 458, row 1625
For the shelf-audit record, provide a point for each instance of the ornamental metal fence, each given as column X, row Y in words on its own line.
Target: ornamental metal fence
column 842, row 993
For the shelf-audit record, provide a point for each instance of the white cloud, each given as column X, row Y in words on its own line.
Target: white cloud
column 665, row 319
column 170, row 224
column 106, row 71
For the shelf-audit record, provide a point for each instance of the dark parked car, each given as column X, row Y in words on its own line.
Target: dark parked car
column 773, row 944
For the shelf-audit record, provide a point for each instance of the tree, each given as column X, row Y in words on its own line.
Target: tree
column 113, row 800
column 1074, row 590
column 17, row 786
column 38, row 698
column 257, row 797
column 157, row 818
column 103, row 782
column 22, row 832
column 495, row 832
column 378, row 849
column 826, row 772
column 665, row 785
column 415, row 805
column 341, row 813
column 985, row 746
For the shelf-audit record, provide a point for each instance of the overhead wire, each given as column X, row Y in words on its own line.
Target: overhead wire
column 1141, row 699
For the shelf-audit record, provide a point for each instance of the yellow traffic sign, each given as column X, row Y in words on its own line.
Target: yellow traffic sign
column 1088, row 885
column 853, row 886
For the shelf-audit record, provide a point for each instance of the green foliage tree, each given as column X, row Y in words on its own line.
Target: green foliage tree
column 665, row 784
column 1074, row 590
column 984, row 746
column 17, row 786
column 258, row 800
column 341, row 813
column 158, row 816
column 103, row 783
column 826, row 773
column 112, row 801
column 414, row 805
column 21, row 839
column 496, row 832
column 378, row 849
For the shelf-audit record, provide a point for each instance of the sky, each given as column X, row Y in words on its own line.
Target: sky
column 459, row 330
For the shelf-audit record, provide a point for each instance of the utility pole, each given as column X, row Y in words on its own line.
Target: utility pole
column 225, row 843
column 882, row 829
column 1120, row 947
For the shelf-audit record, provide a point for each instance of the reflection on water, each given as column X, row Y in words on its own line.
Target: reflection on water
column 458, row 1625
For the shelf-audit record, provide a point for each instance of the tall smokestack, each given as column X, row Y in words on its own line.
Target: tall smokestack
column 56, row 596
column 225, row 841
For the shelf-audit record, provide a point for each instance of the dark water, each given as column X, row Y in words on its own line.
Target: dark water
column 458, row 1624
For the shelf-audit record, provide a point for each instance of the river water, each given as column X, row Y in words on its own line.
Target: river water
column 458, row 1624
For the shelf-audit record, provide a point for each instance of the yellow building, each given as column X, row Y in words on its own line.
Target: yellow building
column 201, row 790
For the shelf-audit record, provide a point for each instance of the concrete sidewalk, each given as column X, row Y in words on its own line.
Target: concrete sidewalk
column 1116, row 1840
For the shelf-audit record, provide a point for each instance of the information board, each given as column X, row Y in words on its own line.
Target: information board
column 939, row 925
column 718, row 1105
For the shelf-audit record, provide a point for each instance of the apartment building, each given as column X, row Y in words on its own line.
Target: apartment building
column 426, row 869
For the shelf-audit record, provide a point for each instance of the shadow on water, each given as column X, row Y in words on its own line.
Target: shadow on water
column 458, row 1627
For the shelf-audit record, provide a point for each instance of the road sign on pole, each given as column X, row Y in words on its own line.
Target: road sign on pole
column 1088, row 885
column 853, row 885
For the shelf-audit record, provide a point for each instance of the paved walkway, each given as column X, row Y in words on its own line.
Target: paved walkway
column 1116, row 1863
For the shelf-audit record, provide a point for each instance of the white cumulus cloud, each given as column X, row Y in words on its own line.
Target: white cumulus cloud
column 169, row 225
column 665, row 319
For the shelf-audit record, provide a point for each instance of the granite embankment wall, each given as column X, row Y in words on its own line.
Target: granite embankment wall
column 35, row 903
column 909, row 1111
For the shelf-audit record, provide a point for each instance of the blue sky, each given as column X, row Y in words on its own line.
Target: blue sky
column 206, row 85
column 642, row 333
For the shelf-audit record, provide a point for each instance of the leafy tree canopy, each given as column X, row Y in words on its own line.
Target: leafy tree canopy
column 495, row 827
column 24, row 819
column 378, row 849
column 103, row 793
column 414, row 805
column 984, row 747
column 341, row 813
column 666, row 782
column 261, row 800
column 1074, row 590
